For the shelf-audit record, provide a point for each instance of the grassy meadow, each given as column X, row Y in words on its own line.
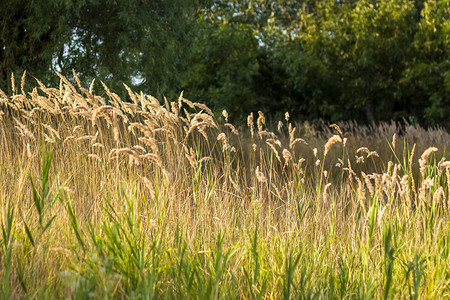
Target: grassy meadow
column 105, row 198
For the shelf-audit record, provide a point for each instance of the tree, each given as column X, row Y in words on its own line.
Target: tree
column 222, row 67
column 426, row 82
column 131, row 41
column 361, row 51
column 236, row 59
column 365, row 60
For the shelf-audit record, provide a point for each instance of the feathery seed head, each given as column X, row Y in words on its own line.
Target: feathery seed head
column 225, row 115
column 337, row 128
column 260, row 175
column 334, row 139
column 424, row 158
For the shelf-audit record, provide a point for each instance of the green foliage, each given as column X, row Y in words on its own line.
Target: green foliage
column 353, row 56
column 365, row 60
column 428, row 78
column 115, row 41
column 222, row 67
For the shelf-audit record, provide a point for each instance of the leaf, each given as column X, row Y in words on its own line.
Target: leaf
column 29, row 234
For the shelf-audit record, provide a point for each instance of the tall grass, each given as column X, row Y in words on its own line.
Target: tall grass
column 104, row 198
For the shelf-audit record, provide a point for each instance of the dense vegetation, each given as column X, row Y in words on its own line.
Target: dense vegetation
column 110, row 193
column 146, row 200
column 365, row 60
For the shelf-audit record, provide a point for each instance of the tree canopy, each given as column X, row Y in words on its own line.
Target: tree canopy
column 334, row 59
column 133, row 41
column 366, row 60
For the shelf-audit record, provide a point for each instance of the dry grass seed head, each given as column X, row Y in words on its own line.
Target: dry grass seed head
column 189, row 103
column 332, row 140
column 180, row 100
column 424, row 158
column 250, row 120
column 440, row 169
column 394, row 173
column 273, row 141
column 404, row 190
column 286, row 155
column 232, row 128
column 204, row 117
column 274, row 150
column 3, row 96
column 22, row 83
column 299, row 164
column 29, row 151
column 190, row 155
column 23, row 129
column 291, row 133
column 148, row 184
column 359, row 159
column 444, row 165
column 202, row 131
column 325, row 192
column 174, row 108
column 250, row 124
column 91, row 86
column 76, row 78
column 49, row 139
column 52, row 130
column 297, row 140
column 279, row 126
column 13, row 84
column 373, row 153
column 68, row 139
column 368, row 184
column 337, row 128
column 151, row 142
column 361, row 192
column 260, row 121
column 97, row 145
column 266, row 133
column 140, row 148
column 426, row 154
column 131, row 94
column 394, row 139
column 204, row 107
column 439, row 196
column 389, row 167
column 99, row 111
column 150, row 156
column 222, row 137
column 259, row 175
column 225, row 115
column 126, row 151
column 363, row 149
column 94, row 156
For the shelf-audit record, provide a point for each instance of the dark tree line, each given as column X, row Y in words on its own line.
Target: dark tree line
column 365, row 60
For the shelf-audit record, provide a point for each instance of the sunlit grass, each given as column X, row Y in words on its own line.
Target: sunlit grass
column 104, row 198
